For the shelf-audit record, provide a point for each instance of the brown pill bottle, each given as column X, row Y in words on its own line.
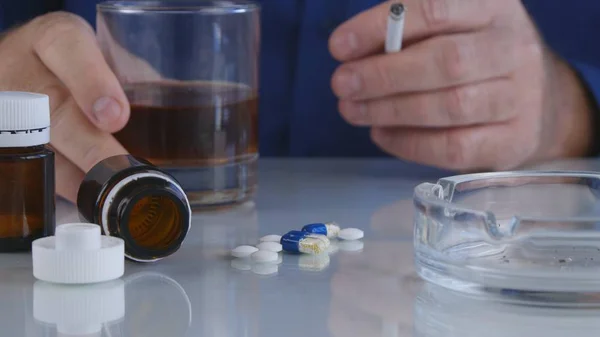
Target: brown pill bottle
column 131, row 199
column 27, row 201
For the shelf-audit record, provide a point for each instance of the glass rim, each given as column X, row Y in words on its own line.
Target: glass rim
column 214, row 7
column 440, row 194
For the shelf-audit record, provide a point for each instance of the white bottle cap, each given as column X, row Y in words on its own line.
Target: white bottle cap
column 24, row 119
column 78, row 254
column 79, row 310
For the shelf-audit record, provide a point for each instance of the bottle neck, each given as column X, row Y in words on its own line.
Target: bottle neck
column 23, row 150
column 150, row 212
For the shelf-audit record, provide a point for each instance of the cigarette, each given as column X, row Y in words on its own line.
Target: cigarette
column 395, row 28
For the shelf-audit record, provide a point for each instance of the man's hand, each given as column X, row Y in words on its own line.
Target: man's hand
column 474, row 89
column 57, row 55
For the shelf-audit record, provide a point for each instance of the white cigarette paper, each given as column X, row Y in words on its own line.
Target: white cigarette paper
column 395, row 28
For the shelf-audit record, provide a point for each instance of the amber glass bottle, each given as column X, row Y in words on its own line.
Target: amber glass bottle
column 133, row 200
column 27, row 207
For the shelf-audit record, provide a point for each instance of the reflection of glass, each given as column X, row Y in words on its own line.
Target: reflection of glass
column 516, row 230
column 372, row 292
column 440, row 312
column 190, row 72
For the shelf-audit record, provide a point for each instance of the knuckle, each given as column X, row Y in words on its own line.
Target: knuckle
column 534, row 50
column 55, row 25
column 460, row 104
column 453, row 60
column 396, row 112
column 384, row 76
column 503, row 106
column 458, row 149
column 88, row 150
column 435, row 13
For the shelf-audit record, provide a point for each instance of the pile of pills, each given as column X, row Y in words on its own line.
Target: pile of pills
column 317, row 240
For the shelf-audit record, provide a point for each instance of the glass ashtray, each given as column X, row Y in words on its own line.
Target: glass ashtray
column 525, row 231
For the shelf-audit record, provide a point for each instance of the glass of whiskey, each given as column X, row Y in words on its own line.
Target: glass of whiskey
column 190, row 72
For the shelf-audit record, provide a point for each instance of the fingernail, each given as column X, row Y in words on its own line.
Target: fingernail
column 344, row 45
column 347, row 83
column 106, row 110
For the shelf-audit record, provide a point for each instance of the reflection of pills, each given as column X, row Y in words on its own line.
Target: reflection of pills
column 271, row 238
column 241, row 264
column 333, row 248
column 269, row 246
column 265, row 269
column 313, row 262
column 263, row 256
column 351, row 234
column 351, row 246
column 244, row 251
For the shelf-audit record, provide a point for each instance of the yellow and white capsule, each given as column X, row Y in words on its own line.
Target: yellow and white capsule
column 305, row 243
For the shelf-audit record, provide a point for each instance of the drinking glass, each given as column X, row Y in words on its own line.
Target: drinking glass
column 190, row 72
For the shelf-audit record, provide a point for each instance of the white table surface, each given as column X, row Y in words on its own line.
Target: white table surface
column 197, row 292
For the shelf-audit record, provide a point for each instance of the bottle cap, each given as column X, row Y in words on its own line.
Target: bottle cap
column 24, row 119
column 78, row 254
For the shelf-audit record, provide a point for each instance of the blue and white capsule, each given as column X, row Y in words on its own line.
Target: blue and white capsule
column 305, row 243
column 329, row 229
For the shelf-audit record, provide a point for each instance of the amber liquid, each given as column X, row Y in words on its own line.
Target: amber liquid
column 27, row 209
column 206, row 134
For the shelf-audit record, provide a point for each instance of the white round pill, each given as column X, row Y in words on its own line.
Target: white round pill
column 271, row 238
column 270, row 246
column 264, row 256
column 351, row 234
column 244, row 251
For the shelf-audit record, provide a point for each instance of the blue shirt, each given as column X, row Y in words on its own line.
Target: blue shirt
column 298, row 113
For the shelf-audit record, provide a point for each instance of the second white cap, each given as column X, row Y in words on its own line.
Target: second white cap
column 24, row 119
column 78, row 254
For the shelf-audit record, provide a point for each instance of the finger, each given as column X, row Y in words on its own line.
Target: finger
column 438, row 63
column 68, row 178
column 78, row 140
column 365, row 33
column 497, row 146
column 67, row 46
column 487, row 102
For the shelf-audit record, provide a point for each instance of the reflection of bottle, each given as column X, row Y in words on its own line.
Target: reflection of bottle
column 444, row 313
column 157, row 306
